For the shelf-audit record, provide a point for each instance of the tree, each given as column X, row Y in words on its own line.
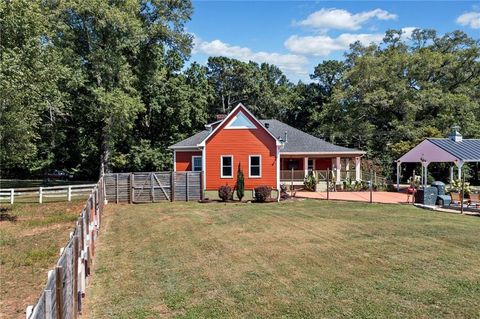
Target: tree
column 31, row 103
column 240, row 185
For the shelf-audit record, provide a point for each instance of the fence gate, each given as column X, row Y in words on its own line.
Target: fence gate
column 150, row 187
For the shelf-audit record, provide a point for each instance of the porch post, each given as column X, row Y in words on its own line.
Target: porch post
column 357, row 169
column 338, row 167
column 398, row 175
column 305, row 165
column 347, row 167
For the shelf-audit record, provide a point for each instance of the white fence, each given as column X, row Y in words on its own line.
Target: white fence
column 64, row 291
column 41, row 194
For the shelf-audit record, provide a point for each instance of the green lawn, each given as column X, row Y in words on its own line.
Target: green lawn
column 291, row 259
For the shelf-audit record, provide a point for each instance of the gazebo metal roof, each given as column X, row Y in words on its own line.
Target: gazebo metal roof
column 453, row 149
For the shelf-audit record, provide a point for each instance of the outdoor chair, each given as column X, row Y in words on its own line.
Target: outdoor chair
column 474, row 200
column 456, row 199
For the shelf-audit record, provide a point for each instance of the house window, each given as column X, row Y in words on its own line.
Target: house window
column 240, row 121
column 255, row 166
column 227, row 166
column 311, row 164
column 196, row 163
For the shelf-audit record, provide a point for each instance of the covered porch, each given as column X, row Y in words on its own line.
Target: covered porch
column 294, row 168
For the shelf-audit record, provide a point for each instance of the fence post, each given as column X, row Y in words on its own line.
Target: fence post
column 328, row 183
column 201, row 186
column 75, row 276
column 59, row 291
column 40, row 195
column 116, row 188
column 186, row 186
column 371, row 188
column 12, row 195
column 28, row 312
column 69, row 194
column 132, row 190
column 172, row 186
column 152, row 189
column 48, row 304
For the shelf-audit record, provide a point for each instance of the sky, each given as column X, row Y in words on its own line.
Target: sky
column 298, row 35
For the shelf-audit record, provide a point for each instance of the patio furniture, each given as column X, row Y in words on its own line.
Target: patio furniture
column 456, row 199
column 474, row 200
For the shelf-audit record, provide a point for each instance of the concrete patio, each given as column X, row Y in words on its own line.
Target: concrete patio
column 377, row 197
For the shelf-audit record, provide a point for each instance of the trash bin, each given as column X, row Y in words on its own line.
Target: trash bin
column 440, row 186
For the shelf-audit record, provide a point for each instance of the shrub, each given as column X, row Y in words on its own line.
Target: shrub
column 262, row 193
column 456, row 187
column 240, row 186
column 310, row 182
column 225, row 192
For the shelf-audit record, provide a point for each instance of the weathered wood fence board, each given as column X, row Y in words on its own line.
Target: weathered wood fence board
column 65, row 287
column 148, row 187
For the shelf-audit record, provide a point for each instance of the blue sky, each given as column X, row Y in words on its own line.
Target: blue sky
column 297, row 35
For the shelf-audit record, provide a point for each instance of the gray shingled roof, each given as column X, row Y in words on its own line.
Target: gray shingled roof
column 297, row 141
column 466, row 150
column 193, row 140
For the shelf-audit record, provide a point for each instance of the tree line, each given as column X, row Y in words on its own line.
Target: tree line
column 87, row 85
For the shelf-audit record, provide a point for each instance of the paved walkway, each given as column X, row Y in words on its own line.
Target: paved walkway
column 377, row 197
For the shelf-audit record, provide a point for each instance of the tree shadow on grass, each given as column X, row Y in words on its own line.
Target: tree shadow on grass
column 6, row 216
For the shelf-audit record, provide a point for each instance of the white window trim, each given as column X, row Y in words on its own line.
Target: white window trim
column 193, row 163
column 250, row 165
column 221, row 166
column 230, row 127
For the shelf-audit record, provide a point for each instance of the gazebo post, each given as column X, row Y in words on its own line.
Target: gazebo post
column 425, row 173
column 459, row 165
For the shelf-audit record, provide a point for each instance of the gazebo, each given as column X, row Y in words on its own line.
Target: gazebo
column 453, row 149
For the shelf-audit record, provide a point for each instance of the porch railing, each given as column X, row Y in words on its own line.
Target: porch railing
column 322, row 175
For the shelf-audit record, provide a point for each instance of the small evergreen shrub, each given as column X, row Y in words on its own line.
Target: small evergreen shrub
column 262, row 193
column 225, row 192
column 240, row 186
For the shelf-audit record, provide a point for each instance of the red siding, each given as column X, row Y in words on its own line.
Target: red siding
column 240, row 143
column 184, row 160
column 323, row 164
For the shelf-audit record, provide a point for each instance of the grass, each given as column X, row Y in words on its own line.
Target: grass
column 291, row 259
column 31, row 236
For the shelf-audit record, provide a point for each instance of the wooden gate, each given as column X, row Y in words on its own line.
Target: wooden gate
column 148, row 187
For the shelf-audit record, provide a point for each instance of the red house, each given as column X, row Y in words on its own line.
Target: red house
column 269, row 152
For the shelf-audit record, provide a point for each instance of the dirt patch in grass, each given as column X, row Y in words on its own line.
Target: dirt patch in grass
column 30, row 242
column 297, row 259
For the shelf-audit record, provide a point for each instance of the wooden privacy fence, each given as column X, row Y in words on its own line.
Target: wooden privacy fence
column 153, row 187
column 40, row 194
column 65, row 289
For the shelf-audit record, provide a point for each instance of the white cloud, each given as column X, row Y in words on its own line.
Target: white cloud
column 407, row 32
column 323, row 45
column 471, row 19
column 287, row 62
column 332, row 18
